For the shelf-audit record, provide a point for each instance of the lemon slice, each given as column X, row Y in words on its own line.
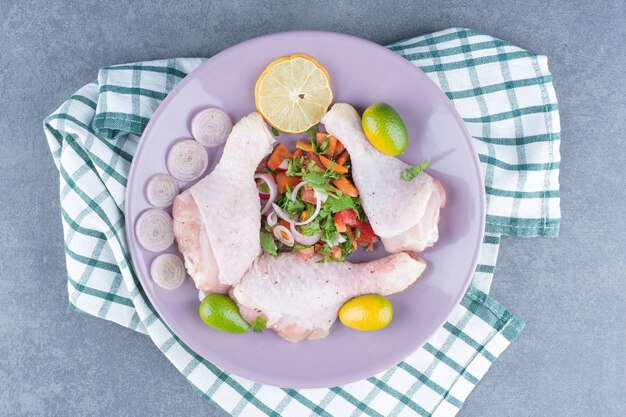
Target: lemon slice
column 293, row 93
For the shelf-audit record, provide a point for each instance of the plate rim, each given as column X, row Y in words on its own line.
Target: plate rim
column 383, row 364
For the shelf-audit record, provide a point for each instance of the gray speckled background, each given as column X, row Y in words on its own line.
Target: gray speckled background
column 569, row 361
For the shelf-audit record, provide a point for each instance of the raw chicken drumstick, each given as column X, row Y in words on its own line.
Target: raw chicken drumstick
column 217, row 221
column 300, row 299
column 403, row 213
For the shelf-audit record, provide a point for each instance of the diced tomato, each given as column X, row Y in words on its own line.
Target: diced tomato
column 282, row 180
column 284, row 223
column 278, row 156
column 307, row 253
column 307, row 194
column 318, row 247
column 346, row 187
column 312, row 157
column 347, row 217
column 334, row 167
column 366, row 235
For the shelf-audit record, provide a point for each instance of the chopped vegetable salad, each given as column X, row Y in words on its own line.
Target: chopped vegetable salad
column 311, row 205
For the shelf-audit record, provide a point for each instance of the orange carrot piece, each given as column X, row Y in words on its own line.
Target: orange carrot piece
column 341, row 228
column 304, row 215
column 339, row 169
column 339, row 147
column 278, row 156
column 343, row 158
column 282, row 180
column 332, row 145
column 346, row 187
column 305, row 146
column 297, row 153
column 320, row 136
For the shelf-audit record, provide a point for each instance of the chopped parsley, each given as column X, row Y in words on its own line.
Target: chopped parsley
column 275, row 132
column 268, row 244
column 258, row 324
column 410, row 173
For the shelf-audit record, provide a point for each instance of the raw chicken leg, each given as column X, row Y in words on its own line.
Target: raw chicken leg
column 403, row 213
column 300, row 299
column 217, row 221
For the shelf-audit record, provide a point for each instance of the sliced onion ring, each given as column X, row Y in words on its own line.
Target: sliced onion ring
column 302, row 239
column 187, row 160
column 211, row 127
column 167, row 271
column 161, row 190
column 280, row 232
column 154, row 230
column 271, row 184
column 272, row 219
column 285, row 216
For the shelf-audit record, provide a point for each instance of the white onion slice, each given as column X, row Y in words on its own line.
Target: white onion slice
column 305, row 240
column 187, row 160
column 336, row 240
column 280, row 213
column 271, row 184
column 279, row 231
column 272, row 219
column 154, row 230
column 161, row 190
column 283, row 165
column 211, row 127
column 167, row 271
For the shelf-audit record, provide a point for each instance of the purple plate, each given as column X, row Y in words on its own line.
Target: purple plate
column 361, row 73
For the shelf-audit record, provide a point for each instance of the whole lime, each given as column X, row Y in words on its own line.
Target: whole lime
column 367, row 312
column 221, row 313
column 385, row 129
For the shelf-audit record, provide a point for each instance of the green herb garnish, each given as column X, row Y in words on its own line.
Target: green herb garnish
column 268, row 244
column 410, row 173
column 258, row 324
column 275, row 132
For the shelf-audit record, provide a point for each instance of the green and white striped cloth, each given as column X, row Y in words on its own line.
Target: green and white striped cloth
column 507, row 100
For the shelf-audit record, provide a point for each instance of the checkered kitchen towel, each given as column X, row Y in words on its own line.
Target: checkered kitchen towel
column 507, row 100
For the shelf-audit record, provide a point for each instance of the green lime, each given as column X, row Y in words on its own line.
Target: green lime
column 385, row 129
column 221, row 313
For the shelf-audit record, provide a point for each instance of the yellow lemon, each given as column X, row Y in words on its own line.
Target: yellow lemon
column 293, row 93
column 385, row 129
column 367, row 312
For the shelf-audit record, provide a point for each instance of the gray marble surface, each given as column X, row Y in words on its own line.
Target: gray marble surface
column 569, row 361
